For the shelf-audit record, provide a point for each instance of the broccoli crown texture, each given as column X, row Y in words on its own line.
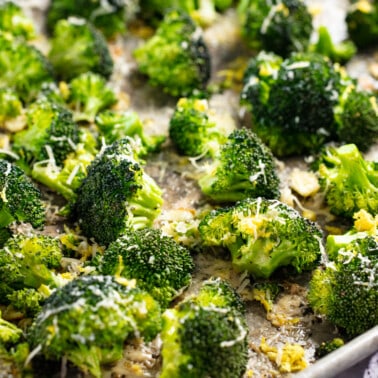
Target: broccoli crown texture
column 116, row 195
column 175, row 57
column 23, row 68
column 244, row 167
column 159, row 264
column 28, row 301
column 262, row 236
column 10, row 106
column 50, row 130
column 193, row 129
column 292, row 104
column 280, row 26
column 77, row 47
column 349, row 182
column 20, row 199
column 327, row 347
column 89, row 319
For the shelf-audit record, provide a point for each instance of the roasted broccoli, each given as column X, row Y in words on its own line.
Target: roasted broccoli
column 160, row 265
column 88, row 320
column 204, row 338
column 9, row 333
column 349, row 182
column 175, row 57
column 114, row 125
column 20, row 200
column 279, row 26
column 117, row 195
column 262, row 236
column 194, row 129
column 244, row 167
column 28, row 301
column 77, row 47
column 11, row 111
column 327, row 347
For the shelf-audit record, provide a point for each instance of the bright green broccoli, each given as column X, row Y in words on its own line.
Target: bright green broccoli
column 51, row 133
column 160, row 265
column 88, row 320
column 175, row 57
column 20, row 200
column 327, row 347
column 11, row 111
column 349, row 182
column 262, row 236
column 23, row 68
column 77, row 47
column 244, row 167
column 195, row 130
column 9, row 333
column 28, row 301
column 114, row 125
column 279, row 26
column 117, row 194
column 202, row 338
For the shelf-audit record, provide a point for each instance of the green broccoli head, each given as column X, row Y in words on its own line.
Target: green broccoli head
column 244, row 167
column 349, row 182
column 28, row 301
column 9, row 333
column 117, row 195
column 327, row 347
column 175, row 57
column 20, row 199
column 160, row 266
column 262, row 236
column 77, row 47
column 88, row 320
column 114, row 125
column 345, row 289
column 14, row 21
column 11, row 110
column 277, row 26
column 51, row 133
column 194, row 130
column 23, row 68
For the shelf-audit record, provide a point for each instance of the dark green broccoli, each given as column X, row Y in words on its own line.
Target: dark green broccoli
column 20, row 200
column 362, row 22
column 175, row 57
column 345, row 289
column 244, row 167
column 88, row 320
column 195, row 130
column 262, row 236
column 28, row 301
column 9, row 333
column 327, row 347
column 279, row 26
column 51, row 133
column 110, row 16
column 88, row 95
column 160, row 265
column 11, row 111
column 114, row 125
column 77, row 47
column 349, row 182
column 14, row 21
column 205, row 339
column 293, row 103
column 117, row 195
column 23, row 68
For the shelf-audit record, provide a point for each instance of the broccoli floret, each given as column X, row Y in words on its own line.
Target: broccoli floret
column 9, row 333
column 110, row 16
column 77, row 47
column 262, row 236
column 345, row 289
column 23, row 68
column 175, row 57
column 292, row 103
column 362, row 22
column 195, row 130
column 277, row 26
column 88, row 95
column 327, row 347
column 202, row 338
column 28, row 301
column 88, row 320
column 11, row 111
column 266, row 293
column 349, row 182
column 244, row 167
column 14, row 21
column 20, row 199
column 160, row 265
column 51, row 133
column 113, row 126
column 116, row 195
